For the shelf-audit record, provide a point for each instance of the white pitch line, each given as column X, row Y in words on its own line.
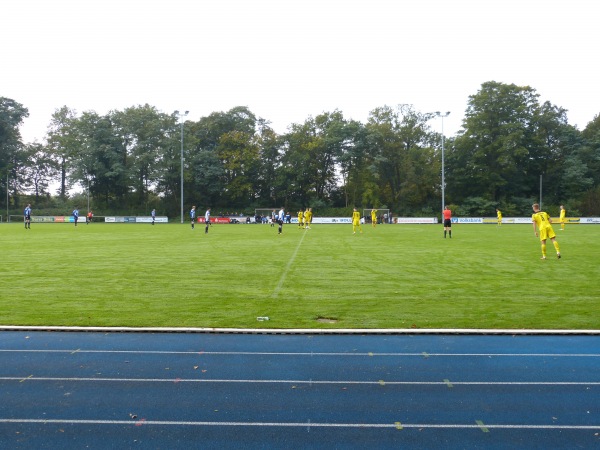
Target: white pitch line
column 309, row 382
column 311, row 354
column 144, row 422
column 287, row 267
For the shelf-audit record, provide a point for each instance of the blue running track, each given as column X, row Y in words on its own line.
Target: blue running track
column 62, row 390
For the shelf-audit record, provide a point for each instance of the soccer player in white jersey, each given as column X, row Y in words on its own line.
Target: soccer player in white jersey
column 280, row 219
column 207, row 220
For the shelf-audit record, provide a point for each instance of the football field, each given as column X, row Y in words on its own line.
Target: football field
column 392, row 276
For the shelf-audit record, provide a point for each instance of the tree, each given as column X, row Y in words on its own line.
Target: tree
column 403, row 162
column 62, row 144
column 223, row 158
column 144, row 133
column 101, row 160
column 38, row 169
column 494, row 155
column 12, row 115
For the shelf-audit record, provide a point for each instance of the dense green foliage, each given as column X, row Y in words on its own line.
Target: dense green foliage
column 508, row 146
column 393, row 276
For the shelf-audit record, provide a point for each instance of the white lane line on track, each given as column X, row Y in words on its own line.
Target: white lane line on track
column 296, row 424
column 287, row 267
column 312, row 354
column 310, row 382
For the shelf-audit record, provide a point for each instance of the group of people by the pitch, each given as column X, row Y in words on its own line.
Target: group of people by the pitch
column 27, row 216
column 206, row 218
column 542, row 223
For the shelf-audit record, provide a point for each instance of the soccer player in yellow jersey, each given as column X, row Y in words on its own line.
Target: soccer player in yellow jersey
column 563, row 219
column 356, row 221
column 300, row 219
column 308, row 218
column 499, row 214
column 543, row 223
column 373, row 218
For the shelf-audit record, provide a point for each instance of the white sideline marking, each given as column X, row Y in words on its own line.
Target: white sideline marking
column 287, row 267
column 143, row 422
column 311, row 354
column 310, row 331
column 310, row 382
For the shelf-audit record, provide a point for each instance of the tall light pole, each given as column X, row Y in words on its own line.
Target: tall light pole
column 181, row 116
column 446, row 114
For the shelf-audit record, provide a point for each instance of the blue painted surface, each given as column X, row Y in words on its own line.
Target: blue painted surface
column 128, row 390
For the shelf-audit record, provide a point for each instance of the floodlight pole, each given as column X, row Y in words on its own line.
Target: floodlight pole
column 541, row 191
column 181, row 116
column 446, row 114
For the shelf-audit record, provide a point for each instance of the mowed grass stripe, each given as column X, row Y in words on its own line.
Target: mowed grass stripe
column 393, row 276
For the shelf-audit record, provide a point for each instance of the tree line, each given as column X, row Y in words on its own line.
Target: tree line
column 510, row 149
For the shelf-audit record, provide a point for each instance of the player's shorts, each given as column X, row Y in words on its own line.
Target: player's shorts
column 28, row 217
column 547, row 233
column 447, row 223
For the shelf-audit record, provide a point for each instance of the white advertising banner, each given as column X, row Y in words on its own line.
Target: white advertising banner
column 415, row 220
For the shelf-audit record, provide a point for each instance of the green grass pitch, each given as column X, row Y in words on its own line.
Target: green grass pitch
column 393, row 276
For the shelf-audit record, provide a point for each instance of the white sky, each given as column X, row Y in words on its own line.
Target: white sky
column 290, row 59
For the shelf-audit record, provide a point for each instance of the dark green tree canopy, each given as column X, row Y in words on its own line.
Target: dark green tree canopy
column 234, row 161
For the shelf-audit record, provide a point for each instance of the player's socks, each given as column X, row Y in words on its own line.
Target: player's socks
column 444, row 234
column 557, row 248
column 450, row 233
column 544, row 251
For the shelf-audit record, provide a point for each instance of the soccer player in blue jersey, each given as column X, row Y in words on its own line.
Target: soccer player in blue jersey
column 75, row 215
column 27, row 216
column 207, row 220
column 193, row 216
column 153, row 214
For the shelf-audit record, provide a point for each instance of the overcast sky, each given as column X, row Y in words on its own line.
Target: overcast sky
column 290, row 59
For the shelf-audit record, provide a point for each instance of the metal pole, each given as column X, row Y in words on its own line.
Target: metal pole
column 181, row 116
column 446, row 114
column 443, row 170
column 541, row 192
column 181, row 171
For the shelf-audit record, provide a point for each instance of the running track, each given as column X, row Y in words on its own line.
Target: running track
column 245, row 391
